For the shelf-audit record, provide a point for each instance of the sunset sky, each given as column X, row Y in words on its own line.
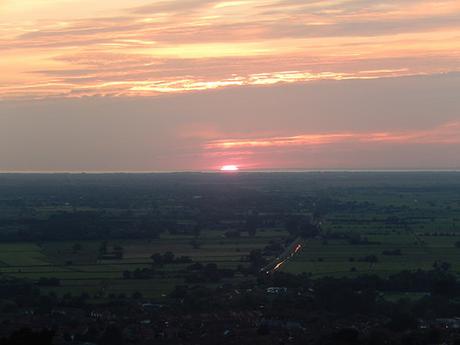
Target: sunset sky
column 144, row 85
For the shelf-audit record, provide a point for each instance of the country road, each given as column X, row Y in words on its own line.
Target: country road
column 288, row 253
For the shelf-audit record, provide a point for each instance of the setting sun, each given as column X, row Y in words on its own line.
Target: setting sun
column 229, row 168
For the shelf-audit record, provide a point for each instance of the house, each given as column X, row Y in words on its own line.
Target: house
column 452, row 323
column 276, row 290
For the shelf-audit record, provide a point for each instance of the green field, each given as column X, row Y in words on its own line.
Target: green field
column 340, row 258
column 423, row 222
column 359, row 216
column 82, row 270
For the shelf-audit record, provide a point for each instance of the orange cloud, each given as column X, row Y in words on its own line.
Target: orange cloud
column 325, row 150
column 444, row 134
column 139, row 48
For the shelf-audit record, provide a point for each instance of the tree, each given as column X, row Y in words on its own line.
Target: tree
column 369, row 258
column 77, row 247
column 27, row 336
column 180, row 291
column 302, row 227
column 309, row 230
column 445, row 286
column 112, row 336
column 168, row 257
column 195, row 244
column 292, row 226
column 232, row 234
column 256, row 258
column 442, row 266
column 157, row 258
column 197, row 230
column 251, row 225
column 44, row 281
column 103, row 248
column 136, row 295
column 252, row 231
column 118, row 251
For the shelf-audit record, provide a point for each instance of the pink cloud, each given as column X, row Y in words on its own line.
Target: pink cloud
column 444, row 134
column 178, row 46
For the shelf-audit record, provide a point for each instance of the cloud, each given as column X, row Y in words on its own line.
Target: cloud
column 328, row 149
column 448, row 133
column 342, row 151
column 410, row 122
column 175, row 7
column 144, row 49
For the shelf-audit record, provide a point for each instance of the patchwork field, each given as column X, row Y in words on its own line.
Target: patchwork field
column 403, row 228
column 340, row 258
column 379, row 223
column 79, row 269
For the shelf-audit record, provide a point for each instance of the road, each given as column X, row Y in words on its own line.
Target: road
column 295, row 247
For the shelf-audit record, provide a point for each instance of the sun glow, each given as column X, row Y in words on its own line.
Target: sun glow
column 229, row 168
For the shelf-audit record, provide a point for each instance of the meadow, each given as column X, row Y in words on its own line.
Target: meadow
column 340, row 258
column 53, row 226
column 400, row 228
column 83, row 270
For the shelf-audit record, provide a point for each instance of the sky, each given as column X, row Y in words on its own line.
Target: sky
column 144, row 85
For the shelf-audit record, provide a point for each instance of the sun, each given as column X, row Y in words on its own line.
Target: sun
column 229, row 168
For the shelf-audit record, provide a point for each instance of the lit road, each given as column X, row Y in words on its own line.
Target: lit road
column 294, row 248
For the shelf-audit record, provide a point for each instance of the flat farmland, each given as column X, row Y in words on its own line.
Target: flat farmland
column 383, row 229
column 340, row 258
column 79, row 268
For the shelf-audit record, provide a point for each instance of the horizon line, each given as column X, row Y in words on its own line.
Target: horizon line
column 114, row 172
